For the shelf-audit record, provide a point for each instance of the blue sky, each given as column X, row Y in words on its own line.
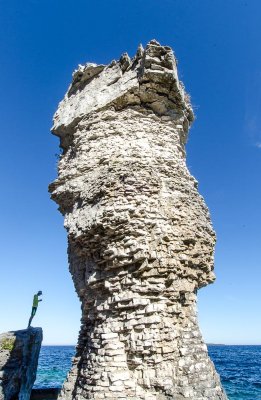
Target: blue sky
column 217, row 43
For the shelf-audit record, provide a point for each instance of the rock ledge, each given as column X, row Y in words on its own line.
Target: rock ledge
column 19, row 352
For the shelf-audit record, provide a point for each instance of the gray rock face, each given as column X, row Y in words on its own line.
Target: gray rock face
column 140, row 240
column 19, row 352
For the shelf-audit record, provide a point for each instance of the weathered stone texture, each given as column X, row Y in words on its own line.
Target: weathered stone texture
column 140, row 237
column 19, row 352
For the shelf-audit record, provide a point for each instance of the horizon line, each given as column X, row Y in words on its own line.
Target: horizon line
column 208, row 344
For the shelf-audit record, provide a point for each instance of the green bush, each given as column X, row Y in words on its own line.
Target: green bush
column 7, row 344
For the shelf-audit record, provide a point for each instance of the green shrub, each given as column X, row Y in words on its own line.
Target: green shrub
column 7, row 344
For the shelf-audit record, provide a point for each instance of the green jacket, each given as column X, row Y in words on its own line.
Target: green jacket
column 35, row 301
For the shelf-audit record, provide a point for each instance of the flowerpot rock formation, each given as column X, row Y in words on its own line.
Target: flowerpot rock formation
column 140, row 240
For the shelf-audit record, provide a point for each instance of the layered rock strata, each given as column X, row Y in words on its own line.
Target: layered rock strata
column 140, row 240
column 19, row 352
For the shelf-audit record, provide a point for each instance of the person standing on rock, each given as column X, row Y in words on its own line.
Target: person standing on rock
column 34, row 307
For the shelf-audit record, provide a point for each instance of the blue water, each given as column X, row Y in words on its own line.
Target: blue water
column 53, row 366
column 239, row 368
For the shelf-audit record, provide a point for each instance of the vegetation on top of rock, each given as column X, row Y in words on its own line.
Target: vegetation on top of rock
column 7, row 344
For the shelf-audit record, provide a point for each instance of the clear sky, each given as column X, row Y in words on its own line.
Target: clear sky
column 217, row 43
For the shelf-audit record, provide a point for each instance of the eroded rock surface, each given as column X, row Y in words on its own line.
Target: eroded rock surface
column 19, row 352
column 139, row 234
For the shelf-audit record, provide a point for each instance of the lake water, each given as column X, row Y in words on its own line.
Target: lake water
column 239, row 368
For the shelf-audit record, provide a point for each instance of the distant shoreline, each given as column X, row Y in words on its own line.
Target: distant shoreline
column 208, row 344
column 223, row 344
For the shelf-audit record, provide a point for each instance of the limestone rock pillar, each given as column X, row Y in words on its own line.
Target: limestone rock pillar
column 140, row 240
